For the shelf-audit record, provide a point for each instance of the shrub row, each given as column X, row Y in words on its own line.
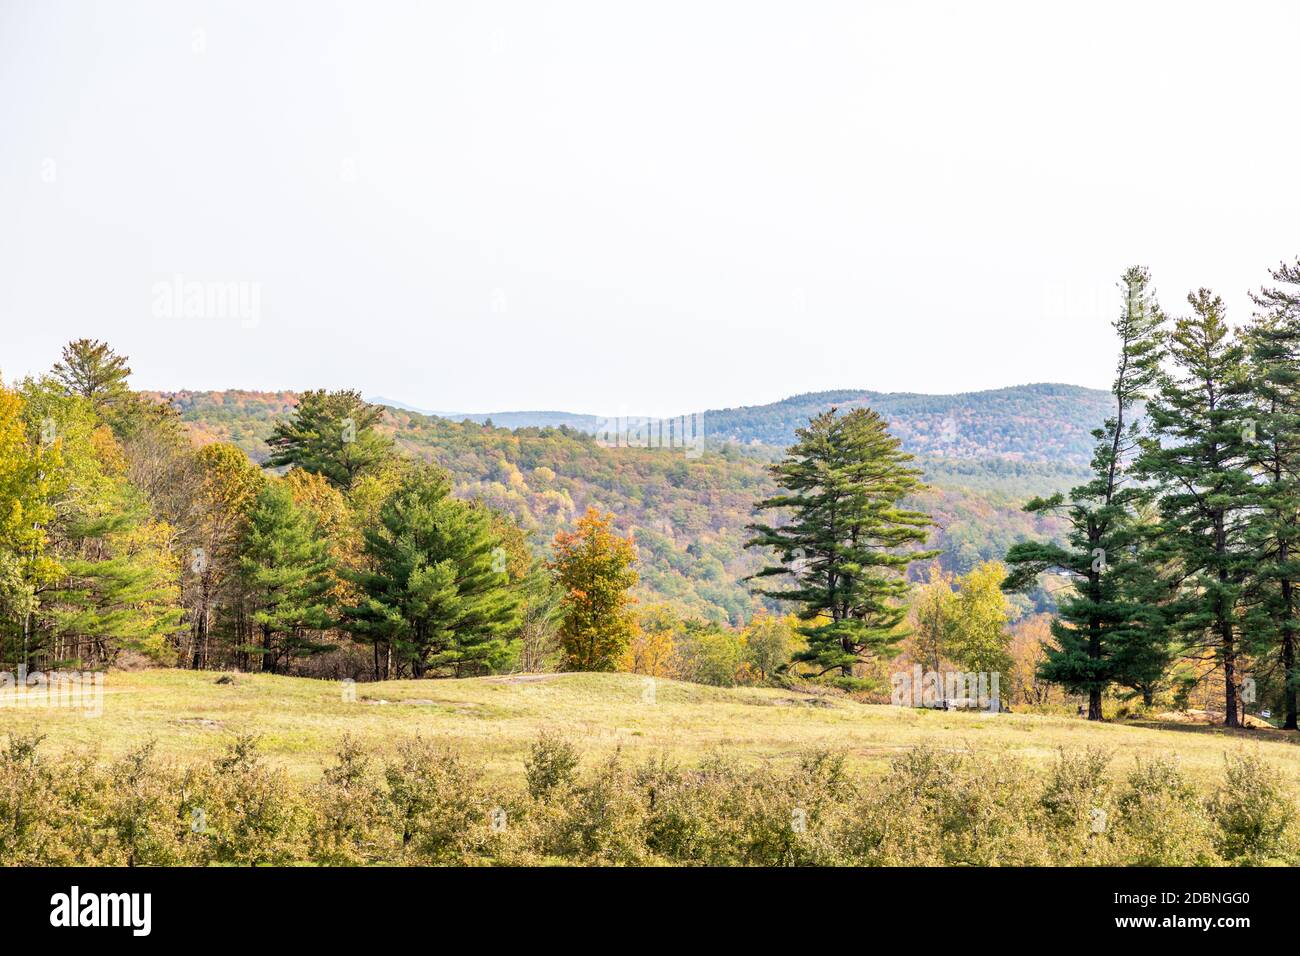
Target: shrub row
column 426, row 804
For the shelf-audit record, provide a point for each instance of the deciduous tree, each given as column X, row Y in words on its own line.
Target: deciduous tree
column 594, row 567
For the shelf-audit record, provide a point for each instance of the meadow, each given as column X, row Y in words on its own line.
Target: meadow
column 300, row 722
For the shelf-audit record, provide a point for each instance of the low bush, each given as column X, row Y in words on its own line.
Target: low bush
column 426, row 804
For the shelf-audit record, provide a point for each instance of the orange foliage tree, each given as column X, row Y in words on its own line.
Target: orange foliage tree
column 593, row 566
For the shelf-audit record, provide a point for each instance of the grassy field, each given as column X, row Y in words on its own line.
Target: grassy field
column 300, row 721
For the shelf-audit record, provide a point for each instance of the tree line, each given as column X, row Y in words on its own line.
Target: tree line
column 1179, row 561
column 119, row 538
column 1182, row 546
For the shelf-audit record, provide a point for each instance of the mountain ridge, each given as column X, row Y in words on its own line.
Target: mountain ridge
column 1039, row 421
column 827, row 394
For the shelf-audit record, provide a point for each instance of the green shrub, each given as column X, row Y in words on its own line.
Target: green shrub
column 145, row 813
column 1078, row 808
column 348, row 826
column 429, row 805
column 551, row 765
column 1255, row 818
column 1162, row 819
column 246, row 812
column 707, row 654
column 600, row 818
column 436, row 805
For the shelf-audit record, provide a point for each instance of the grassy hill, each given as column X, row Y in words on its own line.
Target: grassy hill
column 300, row 722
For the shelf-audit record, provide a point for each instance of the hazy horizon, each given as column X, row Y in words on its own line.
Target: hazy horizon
column 397, row 400
column 645, row 211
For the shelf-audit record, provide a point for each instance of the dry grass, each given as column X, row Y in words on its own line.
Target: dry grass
column 300, row 722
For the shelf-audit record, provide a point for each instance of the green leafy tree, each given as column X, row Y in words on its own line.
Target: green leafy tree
column 29, row 470
column 594, row 569
column 331, row 434
column 979, row 640
column 437, row 593
column 284, row 567
column 769, row 644
column 103, row 577
column 1199, row 456
column 846, row 547
column 707, row 653
column 1098, row 621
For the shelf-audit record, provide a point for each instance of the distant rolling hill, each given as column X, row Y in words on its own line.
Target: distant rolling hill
column 1046, row 422
column 575, row 420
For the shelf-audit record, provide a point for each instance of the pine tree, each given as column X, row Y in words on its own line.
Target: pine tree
column 284, row 568
column 1273, row 449
column 435, row 594
column 331, row 434
column 847, row 544
column 594, row 569
column 94, row 371
column 1199, row 456
column 1099, row 627
column 119, row 589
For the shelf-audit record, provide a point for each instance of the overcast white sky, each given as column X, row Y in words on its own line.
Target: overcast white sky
column 619, row 207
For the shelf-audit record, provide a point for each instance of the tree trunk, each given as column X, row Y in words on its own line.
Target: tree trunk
column 201, row 636
column 1288, row 668
column 1094, row 647
column 1288, row 653
column 1229, row 677
column 1225, row 630
column 268, row 657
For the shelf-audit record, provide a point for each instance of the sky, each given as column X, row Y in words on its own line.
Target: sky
column 622, row 208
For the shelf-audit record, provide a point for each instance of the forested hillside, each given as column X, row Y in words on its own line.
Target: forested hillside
column 688, row 514
column 1041, row 423
column 1032, row 423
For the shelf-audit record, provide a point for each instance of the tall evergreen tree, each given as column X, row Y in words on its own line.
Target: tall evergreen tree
column 285, row 571
column 119, row 589
column 331, row 434
column 847, row 544
column 435, row 593
column 1199, row 456
column 1273, row 449
column 1100, row 625
column 94, row 371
